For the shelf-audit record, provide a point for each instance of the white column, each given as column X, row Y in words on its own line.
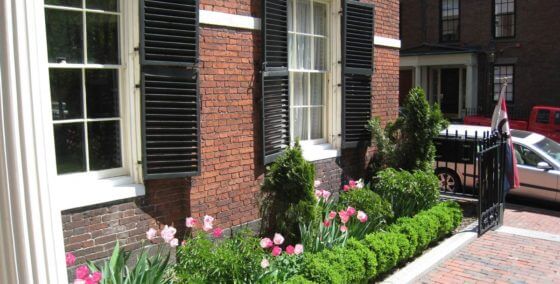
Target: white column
column 471, row 87
column 31, row 241
column 417, row 76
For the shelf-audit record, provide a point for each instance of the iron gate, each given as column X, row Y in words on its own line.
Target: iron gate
column 471, row 165
column 491, row 160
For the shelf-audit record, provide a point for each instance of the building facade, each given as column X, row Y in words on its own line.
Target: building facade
column 121, row 115
column 458, row 50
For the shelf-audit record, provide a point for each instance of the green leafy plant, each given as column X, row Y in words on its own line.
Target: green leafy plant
column 233, row 260
column 378, row 210
column 408, row 142
column 408, row 193
column 146, row 270
column 288, row 195
column 282, row 268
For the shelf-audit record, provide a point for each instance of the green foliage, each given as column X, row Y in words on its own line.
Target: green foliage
column 379, row 211
column 408, row 193
column 298, row 279
column 288, row 195
column 234, row 260
column 282, row 268
column 408, row 143
column 147, row 269
column 381, row 252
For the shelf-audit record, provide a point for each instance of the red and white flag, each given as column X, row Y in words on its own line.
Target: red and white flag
column 501, row 125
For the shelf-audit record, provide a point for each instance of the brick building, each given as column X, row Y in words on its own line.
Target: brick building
column 455, row 49
column 117, row 116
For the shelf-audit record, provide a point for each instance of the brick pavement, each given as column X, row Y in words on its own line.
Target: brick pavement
column 506, row 258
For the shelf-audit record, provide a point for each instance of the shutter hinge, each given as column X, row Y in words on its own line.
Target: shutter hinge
column 136, row 48
column 341, row 11
column 139, row 162
column 137, row 86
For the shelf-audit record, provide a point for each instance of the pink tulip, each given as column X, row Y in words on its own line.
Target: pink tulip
column 82, row 272
column 362, row 216
column 70, row 259
column 96, row 276
column 346, row 188
column 298, row 249
column 191, row 222
column 352, row 183
column 151, row 234
column 326, row 194
column 351, row 211
column 317, row 183
column 174, row 243
column 217, row 233
column 264, row 263
column 168, row 233
column 276, row 251
column 318, row 193
column 278, row 239
column 344, row 217
column 266, row 243
column 290, row 250
column 208, row 223
column 343, row 228
column 332, row 215
column 183, row 242
column 79, row 281
column 327, row 223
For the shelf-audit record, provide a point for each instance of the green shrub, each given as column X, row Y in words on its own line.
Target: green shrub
column 368, row 257
column 298, row 279
column 235, row 260
column 408, row 193
column 385, row 247
column 320, row 270
column 408, row 143
column 378, row 210
column 288, row 195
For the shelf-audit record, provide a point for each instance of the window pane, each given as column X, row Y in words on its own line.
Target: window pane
column 303, row 16
column 300, row 116
column 102, row 93
column 557, row 118
column 304, row 52
column 317, row 88
column 107, row 5
column 320, row 53
column 104, row 145
column 68, row 3
column 291, row 15
column 317, row 123
column 292, row 52
column 102, row 38
column 64, row 36
column 300, row 89
column 543, row 116
column 69, row 147
column 319, row 18
column 66, row 93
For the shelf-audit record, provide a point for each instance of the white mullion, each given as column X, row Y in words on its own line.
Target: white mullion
column 74, row 9
column 84, row 31
column 84, row 105
column 80, row 66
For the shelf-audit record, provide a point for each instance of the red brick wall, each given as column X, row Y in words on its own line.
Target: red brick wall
column 231, row 170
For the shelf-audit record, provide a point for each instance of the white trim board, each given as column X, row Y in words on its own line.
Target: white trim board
column 229, row 20
column 252, row 23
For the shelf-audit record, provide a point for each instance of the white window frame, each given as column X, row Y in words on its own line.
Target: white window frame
column 95, row 187
column 329, row 146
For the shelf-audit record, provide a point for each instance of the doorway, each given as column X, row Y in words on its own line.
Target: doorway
column 405, row 84
column 450, row 89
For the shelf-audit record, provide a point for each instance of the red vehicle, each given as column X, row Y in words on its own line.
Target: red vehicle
column 544, row 120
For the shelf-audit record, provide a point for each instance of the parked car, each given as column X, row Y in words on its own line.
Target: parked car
column 544, row 120
column 538, row 161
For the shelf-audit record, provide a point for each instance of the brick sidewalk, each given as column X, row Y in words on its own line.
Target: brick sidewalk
column 506, row 258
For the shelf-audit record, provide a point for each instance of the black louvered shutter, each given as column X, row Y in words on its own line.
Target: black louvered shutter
column 357, row 69
column 275, row 80
column 169, row 86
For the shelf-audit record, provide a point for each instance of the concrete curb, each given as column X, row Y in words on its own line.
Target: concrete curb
column 529, row 233
column 420, row 266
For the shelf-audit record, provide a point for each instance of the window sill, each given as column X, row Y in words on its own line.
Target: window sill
column 319, row 152
column 84, row 192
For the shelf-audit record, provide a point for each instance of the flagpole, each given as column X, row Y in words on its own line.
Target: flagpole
column 503, row 141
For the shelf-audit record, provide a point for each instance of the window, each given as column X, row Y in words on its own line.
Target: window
column 450, row 20
column 501, row 72
column 526, row 157
column 543, row 116
column 308, row 68
column 557, row 118
column 83, row 43
column 504, row 18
